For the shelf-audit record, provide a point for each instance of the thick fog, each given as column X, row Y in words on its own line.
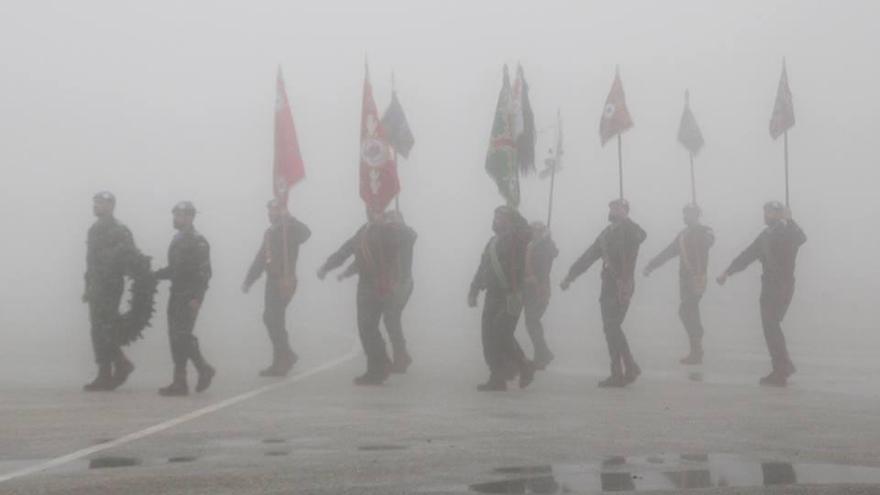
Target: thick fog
column 164, row 101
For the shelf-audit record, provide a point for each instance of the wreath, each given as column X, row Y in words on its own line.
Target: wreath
column 142, row 302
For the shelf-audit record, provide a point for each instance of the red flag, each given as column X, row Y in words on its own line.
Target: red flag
column 379, row 184
column 288, row 168
column 783, row 111
column 615, row 116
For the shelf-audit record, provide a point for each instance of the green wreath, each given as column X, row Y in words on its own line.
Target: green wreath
column 142, row 302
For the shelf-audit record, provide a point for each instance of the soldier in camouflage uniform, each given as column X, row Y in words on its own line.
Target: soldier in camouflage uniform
column 108, row 246
column 776, row 248
column 618, row 247
column 189, row 270
column 691, row 245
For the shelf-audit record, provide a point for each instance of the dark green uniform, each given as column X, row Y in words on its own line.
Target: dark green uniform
column 618, row 247
column 540, row 253
column 777, row 249
column 692, row 246
column 270, row 258
column 189, row 270
column 109, row 246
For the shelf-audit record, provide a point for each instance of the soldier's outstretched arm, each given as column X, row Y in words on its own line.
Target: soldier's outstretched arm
column 671, row 251
column 256, row 269
column 480, row 281
column 741, row 262
column 590, row 256
column 338, row 258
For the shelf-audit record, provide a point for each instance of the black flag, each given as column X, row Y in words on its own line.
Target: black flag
column 397, row 127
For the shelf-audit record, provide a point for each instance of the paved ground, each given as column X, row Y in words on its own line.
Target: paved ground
column 710, row 428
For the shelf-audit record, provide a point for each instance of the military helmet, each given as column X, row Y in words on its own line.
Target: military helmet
column 106, row 196
column 184, row 207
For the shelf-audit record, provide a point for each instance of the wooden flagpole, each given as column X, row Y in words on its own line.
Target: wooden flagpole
column 693, row 180
column 785, row 147
column 620, row 163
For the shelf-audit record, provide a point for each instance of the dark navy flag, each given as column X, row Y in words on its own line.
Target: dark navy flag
column 783, row 110
column 689, row 134
column 397, row 127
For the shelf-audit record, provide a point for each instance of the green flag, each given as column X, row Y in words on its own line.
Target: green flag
column 501, row 162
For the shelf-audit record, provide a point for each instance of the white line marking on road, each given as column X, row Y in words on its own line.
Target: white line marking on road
column 171, row 423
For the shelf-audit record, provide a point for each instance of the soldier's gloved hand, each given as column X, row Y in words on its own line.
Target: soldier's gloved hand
column 245, row 287
column 472, row 300
column 85, row 296
column 565, row 284
column 722, row 279
column 646, row 272
column 322, row 273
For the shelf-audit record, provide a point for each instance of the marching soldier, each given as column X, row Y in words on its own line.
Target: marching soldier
column 277, row 257
column 189, row 270
column 109, row 245
column 540, row 253
column 382, row 251
column 777, row 248
column 618, row 247
column 691, row 245
column 501, row 274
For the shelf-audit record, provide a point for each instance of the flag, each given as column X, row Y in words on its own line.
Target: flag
column 288, row 168
column 397, row 127
column 783, row 110
column 378, row 170
column 523, row 124
column 615, row 117
column 689, row 134
column 501, row 163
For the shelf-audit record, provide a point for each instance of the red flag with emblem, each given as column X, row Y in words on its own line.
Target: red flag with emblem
column 288, row 168
column 615, row 116
column 378, row 170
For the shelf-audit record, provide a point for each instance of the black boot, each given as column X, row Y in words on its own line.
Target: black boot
column 494, row 384
column 694, row 358
column 206, row 371
column 774, row 379
column 122, row 369
column 401, row 362
column 102, row 382
column 178, row 387
column 526, row 373
column 543, row 358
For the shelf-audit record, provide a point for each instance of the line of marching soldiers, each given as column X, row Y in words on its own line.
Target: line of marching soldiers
column 514, row 271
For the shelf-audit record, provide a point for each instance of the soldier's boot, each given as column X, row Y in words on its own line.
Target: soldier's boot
column 696, row 354
column 286, row 362
column 509, row 370
column 526, row 373
column 178, row 387
column 774, row 379
column 401, row 361
column 122, row 369
column 495, row 383
column 102, row 382
column 616, row 379
column 206, row 371
column 543, row 358
column 788, row 369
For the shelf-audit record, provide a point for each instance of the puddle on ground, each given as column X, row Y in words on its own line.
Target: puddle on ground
column 695, row 376
column 373, row 448
column 183, row 458
column 670, row 472
column 274, row 440
column 278, row 453
column 113, row 462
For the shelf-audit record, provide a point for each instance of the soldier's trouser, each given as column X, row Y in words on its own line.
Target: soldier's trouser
column 104, row 315
column 393, row 318
column 370, row 308
column 181, row 323
column 499, row 342
column 534, row 308
column 775, row 299
column 613, row 314
column 274, row 316
column 689, row 312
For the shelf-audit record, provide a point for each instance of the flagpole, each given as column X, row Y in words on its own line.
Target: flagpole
column 693, row 181
column 620, row 163
column 785, row 147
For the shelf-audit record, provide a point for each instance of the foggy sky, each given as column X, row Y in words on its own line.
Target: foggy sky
column 164, row 101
